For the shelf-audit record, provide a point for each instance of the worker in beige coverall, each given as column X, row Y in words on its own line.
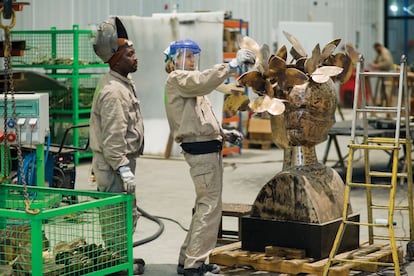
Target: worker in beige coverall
column 116, row 131
column 196, row 128
column 383, row 62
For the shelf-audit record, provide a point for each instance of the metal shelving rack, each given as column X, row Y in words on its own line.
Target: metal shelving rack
column 67, row 56
column 243, row 29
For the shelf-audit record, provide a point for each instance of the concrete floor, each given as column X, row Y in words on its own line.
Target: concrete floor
column 165, row 189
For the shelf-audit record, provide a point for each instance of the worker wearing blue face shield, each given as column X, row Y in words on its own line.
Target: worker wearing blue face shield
column 196, row 128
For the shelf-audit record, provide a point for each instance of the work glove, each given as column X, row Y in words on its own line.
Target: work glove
column 233, row 136
column 128, row 178
column 243, row 57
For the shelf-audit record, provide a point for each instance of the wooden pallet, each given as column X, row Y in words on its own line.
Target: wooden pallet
column 232, row 255
column 249, row 143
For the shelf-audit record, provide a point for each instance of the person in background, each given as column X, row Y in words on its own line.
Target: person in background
column 116, row 129
column 384, row 60
column 196, row 128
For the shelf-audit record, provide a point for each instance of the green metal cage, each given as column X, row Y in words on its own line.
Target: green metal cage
column 67, row 56
column 56, row 49
column 75, row 232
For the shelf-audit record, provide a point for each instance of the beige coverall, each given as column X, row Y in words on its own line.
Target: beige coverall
column 116, row 139
column 191, row 119
column 384, row 61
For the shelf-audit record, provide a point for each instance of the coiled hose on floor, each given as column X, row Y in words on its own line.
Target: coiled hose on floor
column 160, row 230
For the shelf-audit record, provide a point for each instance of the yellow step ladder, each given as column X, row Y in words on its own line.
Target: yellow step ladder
column 399, row 143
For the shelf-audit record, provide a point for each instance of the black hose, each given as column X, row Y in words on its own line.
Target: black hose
column 153, row 236
column 157, row 220
column 175, row 221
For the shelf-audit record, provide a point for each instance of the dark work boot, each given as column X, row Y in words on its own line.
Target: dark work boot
column 203, row 270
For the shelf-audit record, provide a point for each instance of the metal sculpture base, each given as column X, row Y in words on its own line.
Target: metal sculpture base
column 315, row 239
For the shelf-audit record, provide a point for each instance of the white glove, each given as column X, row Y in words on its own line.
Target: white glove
column 233, row 63
column 233, row 136
column 245, row 56
column 128, row 178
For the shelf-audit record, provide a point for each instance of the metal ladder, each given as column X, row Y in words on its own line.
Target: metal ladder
column 368, row 143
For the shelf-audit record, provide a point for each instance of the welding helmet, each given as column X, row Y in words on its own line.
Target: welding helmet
column 108, row 37
column 185, row 54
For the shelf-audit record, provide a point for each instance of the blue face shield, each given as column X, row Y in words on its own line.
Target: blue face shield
column 185, row 59
column 184, row 53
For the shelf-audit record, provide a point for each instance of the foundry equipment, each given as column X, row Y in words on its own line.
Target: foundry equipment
column 26, row 121
column 40, row 232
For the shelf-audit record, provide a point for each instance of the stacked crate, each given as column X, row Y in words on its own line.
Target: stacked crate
column 259, row 133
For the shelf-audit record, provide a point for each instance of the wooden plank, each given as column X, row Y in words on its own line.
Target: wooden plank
column 377, row 253
column 288, row 253
column 227, row 247
column 232, row 255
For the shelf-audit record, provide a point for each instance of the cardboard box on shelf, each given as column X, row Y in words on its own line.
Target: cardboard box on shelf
column 230, row 40
column 259, row 129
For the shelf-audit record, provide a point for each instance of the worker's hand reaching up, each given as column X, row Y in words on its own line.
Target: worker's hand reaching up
column 243, row 57
column 128, row 178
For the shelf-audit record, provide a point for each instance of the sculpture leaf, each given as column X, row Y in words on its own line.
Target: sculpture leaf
column 329, row 48
column 253, row 79
column 323, row 73
column 299, row 51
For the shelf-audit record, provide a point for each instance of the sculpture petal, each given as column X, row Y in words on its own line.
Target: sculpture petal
column 264, row 57
column 314, row 61
column 323, row 73
column 276, row 67
column 260, row 104
column 234, row 103
column 329, row 48
column 276, row 107
column 300, row 64
column 352, row 53
column 249, row 43
column 282, row 53
column 299, row 51
column 294, row 77
column 253, row 79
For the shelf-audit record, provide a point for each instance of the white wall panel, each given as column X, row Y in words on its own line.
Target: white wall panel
column 350, row 17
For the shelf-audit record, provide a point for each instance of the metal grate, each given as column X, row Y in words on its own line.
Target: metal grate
column 56, row 48
column 76, row 232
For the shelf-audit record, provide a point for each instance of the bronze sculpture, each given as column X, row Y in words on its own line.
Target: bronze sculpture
column 305, row 190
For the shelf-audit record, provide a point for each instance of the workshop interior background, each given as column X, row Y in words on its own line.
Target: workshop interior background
column 357, row 22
